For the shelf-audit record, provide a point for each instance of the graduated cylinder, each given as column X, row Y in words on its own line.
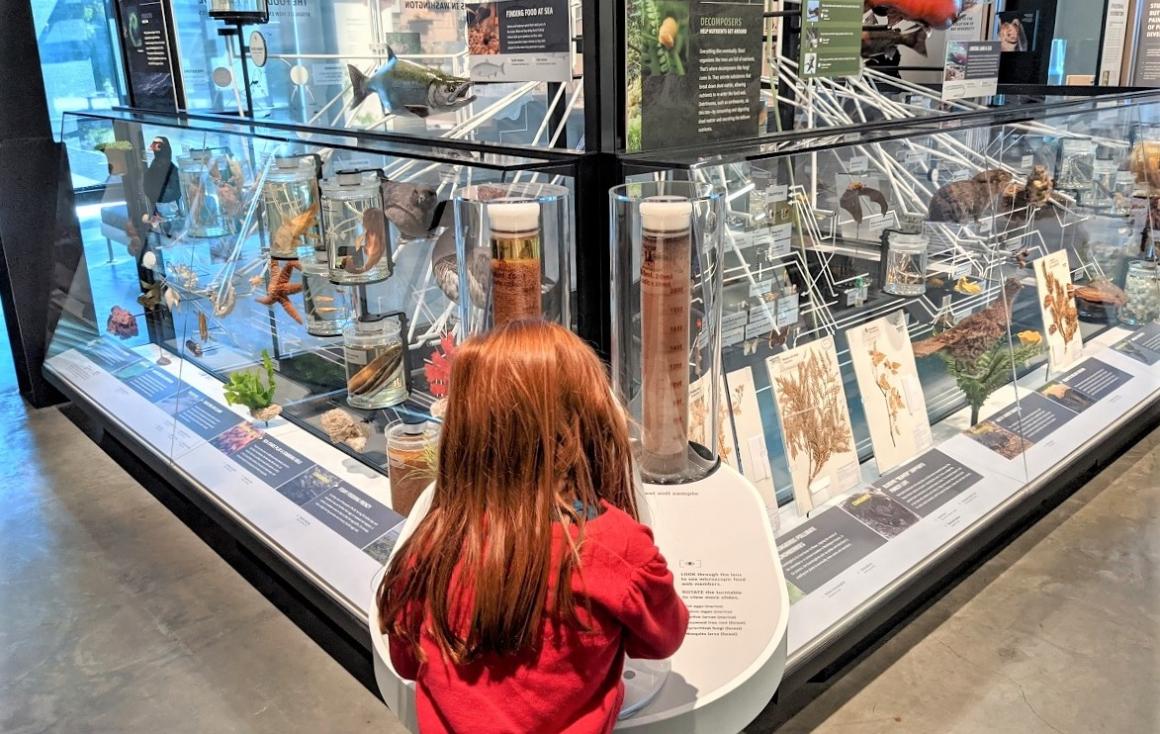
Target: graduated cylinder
column 666, row 320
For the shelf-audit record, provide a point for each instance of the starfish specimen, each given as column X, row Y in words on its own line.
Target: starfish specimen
column 280, row 289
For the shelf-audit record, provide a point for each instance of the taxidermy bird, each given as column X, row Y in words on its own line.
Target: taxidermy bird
column 977, row 333
column 161, row 182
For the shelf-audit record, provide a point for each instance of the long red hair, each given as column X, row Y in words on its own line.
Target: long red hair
column 531, row 426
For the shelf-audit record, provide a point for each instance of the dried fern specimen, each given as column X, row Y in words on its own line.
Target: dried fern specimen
column 813, row 417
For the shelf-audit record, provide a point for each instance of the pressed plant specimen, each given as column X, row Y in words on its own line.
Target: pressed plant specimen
column 1061, row 307
column 813, row 415
column 885, row 377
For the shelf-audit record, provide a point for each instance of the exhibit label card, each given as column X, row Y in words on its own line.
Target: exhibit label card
column 815, row 422
column 971, row 69
column 700, row 77
column 520, row 41
column 1142, row 345
column 891, row 391
column 1060, row 316
column 831, row 38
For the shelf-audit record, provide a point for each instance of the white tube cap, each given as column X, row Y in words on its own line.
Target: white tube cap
column 516, row 216
column 666, row 214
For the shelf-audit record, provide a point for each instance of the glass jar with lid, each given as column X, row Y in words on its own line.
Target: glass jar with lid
column 1142, row 290
column 411, row 457
column 327, row 309
column 906, row 259
column 375, row 361
column 290, row 200
column 355, row 228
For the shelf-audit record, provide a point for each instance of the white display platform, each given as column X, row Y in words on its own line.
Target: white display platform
column 718, row 542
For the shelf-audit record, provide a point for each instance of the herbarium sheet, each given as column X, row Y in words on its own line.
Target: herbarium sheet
column 891, row 391
column 815, row 422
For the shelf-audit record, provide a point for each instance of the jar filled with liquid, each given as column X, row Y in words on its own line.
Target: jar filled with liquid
column 204, row 194
column 327, row 311
column 411, row 456
column 515, row 261
column 1142, row 290
column 290, row 200
column 374, row 353
column 666, row 299
column 906, row 255
column 355, row 228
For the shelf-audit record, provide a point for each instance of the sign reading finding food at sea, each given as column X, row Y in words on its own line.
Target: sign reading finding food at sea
column 519, row 41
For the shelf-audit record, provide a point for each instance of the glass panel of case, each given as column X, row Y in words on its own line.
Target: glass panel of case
column 274, row 314
column 924, row 322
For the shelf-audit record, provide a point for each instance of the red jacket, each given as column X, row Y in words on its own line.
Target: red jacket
column 572, row 682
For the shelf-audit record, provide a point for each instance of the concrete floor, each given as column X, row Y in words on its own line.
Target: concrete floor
column 115, row 617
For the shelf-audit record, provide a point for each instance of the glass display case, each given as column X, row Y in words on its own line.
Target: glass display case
column 277, row 316
column 858, row 348
column 921, row 327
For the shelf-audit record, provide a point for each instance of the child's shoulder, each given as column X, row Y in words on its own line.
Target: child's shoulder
column 616, row 539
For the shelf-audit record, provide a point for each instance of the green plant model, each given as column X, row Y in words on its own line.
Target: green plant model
column 992, row 369
column 249, row 390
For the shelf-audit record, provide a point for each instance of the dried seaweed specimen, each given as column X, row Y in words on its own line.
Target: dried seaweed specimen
column 885, row 378
column 813, row 415
column 974, row 335
column 1061, row 307
column 851, row 200
column 280, row 289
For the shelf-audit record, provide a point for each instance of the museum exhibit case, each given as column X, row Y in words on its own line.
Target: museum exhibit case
column 276, row 322
column 863, row 329
column 922, row 327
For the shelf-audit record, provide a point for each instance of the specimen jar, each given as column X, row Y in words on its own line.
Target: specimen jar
column 906, row 263
column 290, row 200
column 411, row 456
column 327, row 310
column 1142, row 288
column 355, row 228
column 375, row 357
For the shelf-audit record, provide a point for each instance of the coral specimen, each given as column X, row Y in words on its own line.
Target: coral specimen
column 280, row 289
column 438, row 367
column 121, row 323
column 250, row 390
column 812, row 412
column 342, row 428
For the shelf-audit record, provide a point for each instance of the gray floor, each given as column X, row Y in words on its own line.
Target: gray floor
column 114, row 617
